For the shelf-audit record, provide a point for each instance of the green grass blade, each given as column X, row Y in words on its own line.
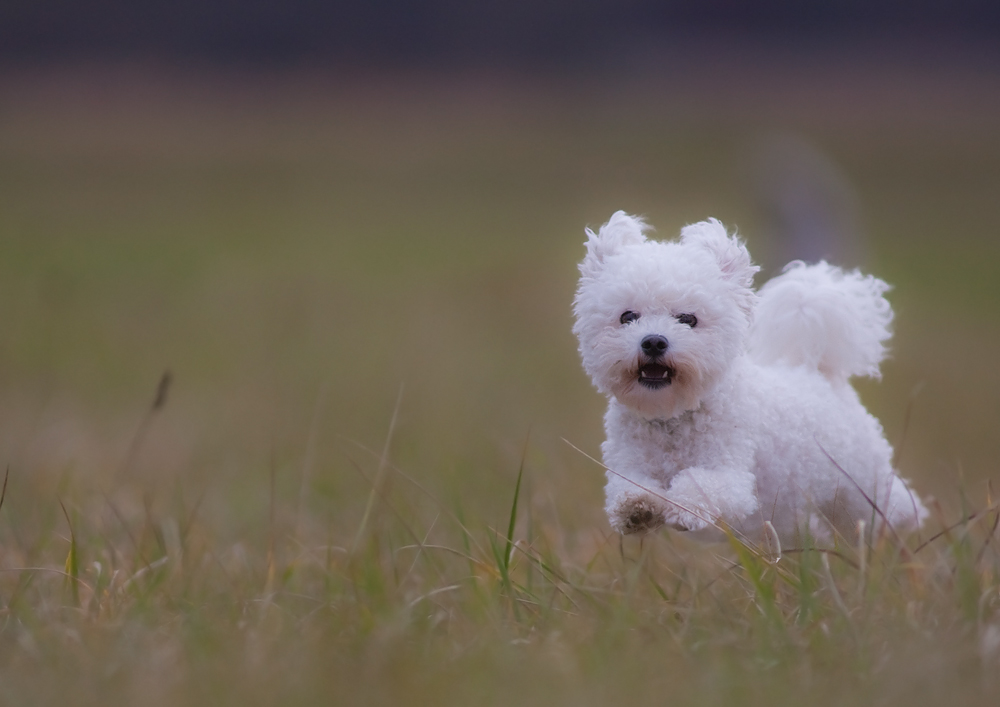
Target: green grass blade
column 513, row 519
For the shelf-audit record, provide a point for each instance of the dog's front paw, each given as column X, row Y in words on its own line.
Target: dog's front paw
column 678, row 519
column 637, row 515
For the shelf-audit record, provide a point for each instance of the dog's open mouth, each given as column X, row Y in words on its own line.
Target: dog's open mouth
column 656, row 375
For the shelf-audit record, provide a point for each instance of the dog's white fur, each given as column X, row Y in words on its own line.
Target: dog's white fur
column 748, row 416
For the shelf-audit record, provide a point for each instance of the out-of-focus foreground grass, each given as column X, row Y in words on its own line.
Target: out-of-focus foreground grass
column 360, row 285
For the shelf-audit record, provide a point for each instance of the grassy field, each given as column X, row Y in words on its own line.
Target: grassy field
column 357, row 486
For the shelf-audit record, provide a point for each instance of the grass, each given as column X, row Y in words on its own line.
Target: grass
column 353, row 485
column 427, row 606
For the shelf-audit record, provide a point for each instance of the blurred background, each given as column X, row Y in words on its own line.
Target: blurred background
column 315, row 216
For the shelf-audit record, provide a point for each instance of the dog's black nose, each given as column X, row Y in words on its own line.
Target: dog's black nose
column 654, row 345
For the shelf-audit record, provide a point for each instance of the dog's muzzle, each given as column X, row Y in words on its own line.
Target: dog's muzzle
column 653, row 373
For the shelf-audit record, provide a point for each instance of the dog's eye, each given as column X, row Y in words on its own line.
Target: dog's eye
column 689, row 319
column 628, row 317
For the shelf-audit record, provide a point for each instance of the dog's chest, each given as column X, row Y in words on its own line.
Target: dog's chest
column 661, row 448
column 685, row 441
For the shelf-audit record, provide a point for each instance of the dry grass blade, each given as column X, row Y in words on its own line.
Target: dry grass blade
column 308, row 458
column 379, row 476
column 957, row 524
column 825, row 551
column 159, row 401
column 3, row 492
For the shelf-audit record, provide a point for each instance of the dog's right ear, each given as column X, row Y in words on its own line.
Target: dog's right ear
column 620, row 230
column 729, row 251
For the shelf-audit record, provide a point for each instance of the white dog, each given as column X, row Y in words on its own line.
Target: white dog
column 728, row 409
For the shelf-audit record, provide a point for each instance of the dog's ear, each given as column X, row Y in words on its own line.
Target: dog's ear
column 729, row 251
column 620, row 230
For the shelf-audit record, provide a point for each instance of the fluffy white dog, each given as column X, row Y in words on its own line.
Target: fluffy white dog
column 732, row 409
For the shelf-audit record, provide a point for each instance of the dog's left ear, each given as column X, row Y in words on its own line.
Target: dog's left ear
column 729, row 251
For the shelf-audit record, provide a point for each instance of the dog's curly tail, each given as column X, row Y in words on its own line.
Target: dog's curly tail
column 822, row 317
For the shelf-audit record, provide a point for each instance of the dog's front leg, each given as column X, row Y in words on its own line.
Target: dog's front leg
column 698, row 498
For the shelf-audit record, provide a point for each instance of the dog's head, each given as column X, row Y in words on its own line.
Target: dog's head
column 659, row 322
